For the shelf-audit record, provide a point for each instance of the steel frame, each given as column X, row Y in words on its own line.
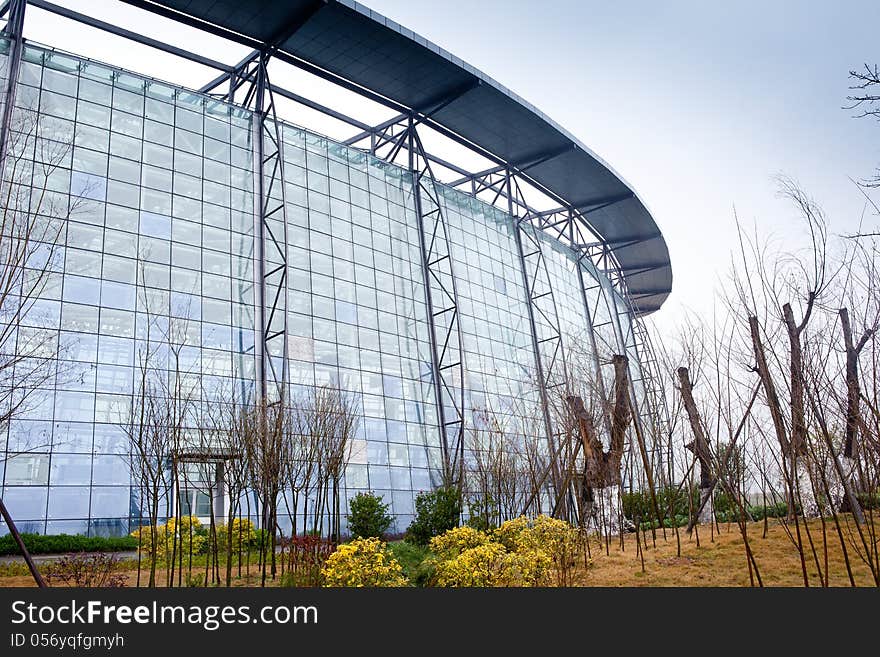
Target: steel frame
column 548, row 344
column 376, row 136
column 14, row 31
column 251, row 78
column 503, row 183
column 441, row 294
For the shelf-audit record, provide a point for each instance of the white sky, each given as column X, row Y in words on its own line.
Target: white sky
column 698, row 105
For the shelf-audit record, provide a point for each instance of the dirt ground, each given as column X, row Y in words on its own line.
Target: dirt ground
column 718, row 560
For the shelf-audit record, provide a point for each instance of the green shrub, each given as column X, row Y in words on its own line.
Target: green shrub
column 436, row 512
column 56, row 543
column 730, row 513
column 482, row 513
column 368, row 517
column 869, row 501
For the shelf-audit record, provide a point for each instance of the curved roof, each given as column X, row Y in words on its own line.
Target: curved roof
column 356, row 44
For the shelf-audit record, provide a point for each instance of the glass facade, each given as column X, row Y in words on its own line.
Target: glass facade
column 154, row 187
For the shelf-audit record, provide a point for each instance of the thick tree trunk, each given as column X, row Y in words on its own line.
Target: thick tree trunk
column 776, row 414
column 798, row 442
column 606, row 507
column 854, row 477
column 699, row 446
column 852, row 386
column 767, row 384
column 621, row 415
column 602, row 468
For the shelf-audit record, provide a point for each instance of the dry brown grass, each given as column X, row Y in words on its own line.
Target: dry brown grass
column 720, row 559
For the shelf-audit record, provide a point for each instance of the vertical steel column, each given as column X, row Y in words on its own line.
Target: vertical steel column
column 14, row 31
column 654, row 410
column 527, row 288
column 270, row 318
column 258, row 120
column 542, row 304
column 437, row 265
column 600, row 380
column 639, row 413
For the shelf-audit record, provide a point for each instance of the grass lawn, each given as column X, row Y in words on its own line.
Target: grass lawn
column 718, row 560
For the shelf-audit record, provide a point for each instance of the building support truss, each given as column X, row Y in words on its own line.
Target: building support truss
column 444, row 324
column 547, row 339
column 270, row 226
column 14, row 32
column 650, row 411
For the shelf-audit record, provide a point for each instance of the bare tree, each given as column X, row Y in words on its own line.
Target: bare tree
column 331, row 421
column 263, row 442
column 500, row 481
column 155, row 416
column 32, row 220
column 699, row 445
column 602, row 468
column 865, row 98
column 226, row 421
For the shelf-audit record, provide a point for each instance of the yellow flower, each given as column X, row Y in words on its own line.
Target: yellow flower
column 364, row 562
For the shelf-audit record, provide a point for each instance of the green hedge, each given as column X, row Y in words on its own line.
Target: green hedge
column 48, row 544
column 638, row 504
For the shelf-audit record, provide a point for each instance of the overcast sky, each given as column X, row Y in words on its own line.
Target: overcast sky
column 698, row 105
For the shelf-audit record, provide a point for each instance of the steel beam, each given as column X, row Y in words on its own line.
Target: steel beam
column 15, row 34
column 441, row 296
column 230, row 74
column 302, row 100
column 540, row 298
column 533, row 330
column 270, row 284
column 518, row 166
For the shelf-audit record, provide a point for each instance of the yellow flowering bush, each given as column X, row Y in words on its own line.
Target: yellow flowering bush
column 189, row 533
column 521, row 552
column 547, row 546
column 510, row 532
column 364, row 562
column 489, row 564
column 243, row 533
column 455, row 541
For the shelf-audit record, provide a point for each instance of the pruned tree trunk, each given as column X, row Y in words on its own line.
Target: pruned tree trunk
column 775, row 409
column 602, row 468
column 798, row 442
column 699, row 446
column 853, row 394
column 767, row 383
column 798, row 455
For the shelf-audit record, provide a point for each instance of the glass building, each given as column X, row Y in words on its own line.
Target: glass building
column 442, row 313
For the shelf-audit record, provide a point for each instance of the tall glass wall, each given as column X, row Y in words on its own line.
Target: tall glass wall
column 357, row 315
column 152, row 190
